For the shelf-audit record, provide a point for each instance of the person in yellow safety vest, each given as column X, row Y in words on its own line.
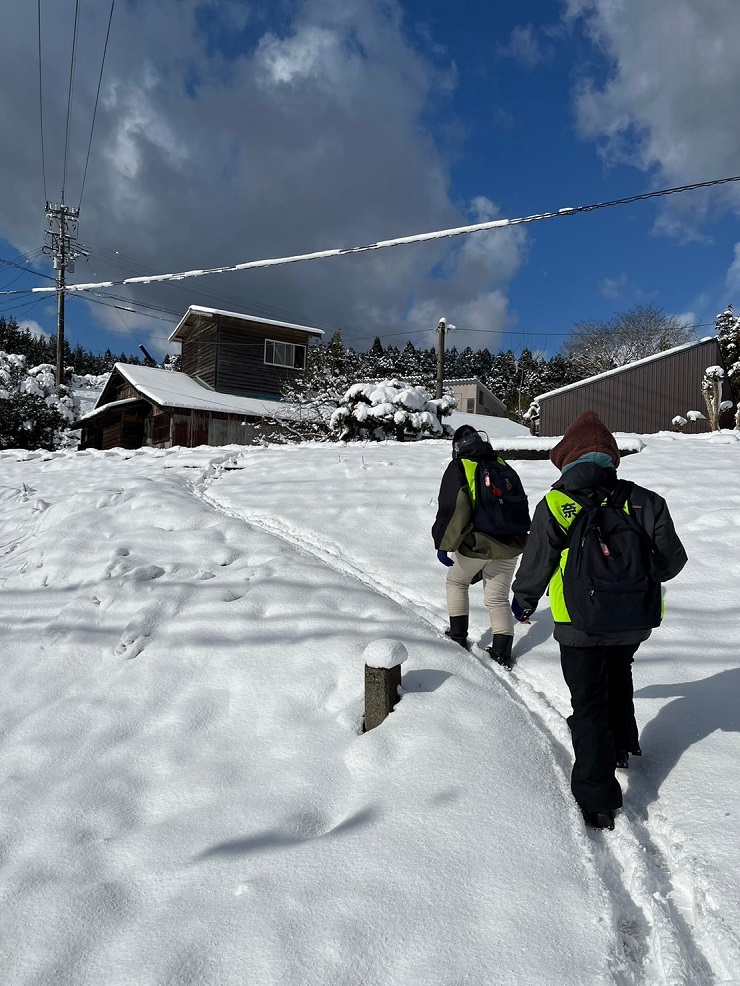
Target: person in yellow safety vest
column 485, row 546
column 596, row 663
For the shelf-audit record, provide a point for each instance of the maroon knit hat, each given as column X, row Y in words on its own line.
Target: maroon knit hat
column 588, row 433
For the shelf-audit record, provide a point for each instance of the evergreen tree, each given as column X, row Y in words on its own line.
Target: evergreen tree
column 368, row 362
column 33, row 411
column 728, row 337
column 389, row 409
column 408, row 363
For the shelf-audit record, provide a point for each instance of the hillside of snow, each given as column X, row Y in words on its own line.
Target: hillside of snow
column 186, row 794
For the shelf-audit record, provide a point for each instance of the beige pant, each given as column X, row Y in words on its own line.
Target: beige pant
column 497, row 576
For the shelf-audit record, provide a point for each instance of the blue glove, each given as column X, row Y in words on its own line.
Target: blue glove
column 520, row 614
column 445, row 558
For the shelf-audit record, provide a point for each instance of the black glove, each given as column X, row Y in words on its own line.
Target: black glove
column 521, row 614
column 445, row 558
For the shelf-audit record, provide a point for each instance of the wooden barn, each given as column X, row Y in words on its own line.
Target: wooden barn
column 642, row 397
column 233, row 369
column 142, row 405
column 241, row 354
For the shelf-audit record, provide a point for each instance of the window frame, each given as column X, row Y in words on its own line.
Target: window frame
column 291, row 350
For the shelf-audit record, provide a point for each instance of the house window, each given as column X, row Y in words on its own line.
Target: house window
column 471, row 404
column 285, row 354
column 480, row 397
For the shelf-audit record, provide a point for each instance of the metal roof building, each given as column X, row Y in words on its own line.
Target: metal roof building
column 641, row 397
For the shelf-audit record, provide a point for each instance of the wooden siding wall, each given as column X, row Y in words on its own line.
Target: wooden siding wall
column 199, row 354
column 191, row 428
column 229, row 356
column 641, row 400
column 241, row 367
column 120, row 428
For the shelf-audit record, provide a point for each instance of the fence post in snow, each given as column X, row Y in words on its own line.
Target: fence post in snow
column 383, row 659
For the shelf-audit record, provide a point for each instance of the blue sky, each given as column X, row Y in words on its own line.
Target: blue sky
column 231, row 131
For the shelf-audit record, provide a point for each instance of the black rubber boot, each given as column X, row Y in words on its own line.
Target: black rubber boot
column 500, row 650
column 459, row 630
column 599, row 819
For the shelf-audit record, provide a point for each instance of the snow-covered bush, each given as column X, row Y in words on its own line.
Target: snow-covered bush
column 531, row 417
column 33, row 411
column 711, row 387
column 728, row 338
column 389, row 409
column 679, row 423
column 696, row 416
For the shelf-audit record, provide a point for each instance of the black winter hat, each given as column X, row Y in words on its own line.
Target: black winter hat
column 464, row 439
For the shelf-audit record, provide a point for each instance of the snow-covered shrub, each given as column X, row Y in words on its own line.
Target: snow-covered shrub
column 33, row 411
column 696, row 416
column 728, row 338
column 711, row 387
column 679, row 423
column 389, row 409
column 531, row 417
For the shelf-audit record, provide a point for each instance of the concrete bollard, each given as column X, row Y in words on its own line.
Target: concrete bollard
column 383, row 659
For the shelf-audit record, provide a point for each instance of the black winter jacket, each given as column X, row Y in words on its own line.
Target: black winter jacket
column 547, row 540
column 453, row 528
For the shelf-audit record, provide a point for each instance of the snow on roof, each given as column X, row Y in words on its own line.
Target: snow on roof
column 464, row 381
column 493, row 426
column 169, row 388
column 198, row 310
column 627, row 366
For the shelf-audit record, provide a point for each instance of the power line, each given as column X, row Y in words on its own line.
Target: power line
column 121, row 261
column 69, row 95
column 97, row 97
column 400, row 241
column 41, row 105
column 28, row 270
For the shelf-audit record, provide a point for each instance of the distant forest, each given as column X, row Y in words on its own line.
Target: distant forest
column 515, row 379
column 38, row 349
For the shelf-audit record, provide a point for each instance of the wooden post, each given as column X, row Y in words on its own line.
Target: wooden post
column 383, row 660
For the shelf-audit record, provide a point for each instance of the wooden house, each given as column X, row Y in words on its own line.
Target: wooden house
column 642, row 397
column 142, row 405
column 232, row 369
column 241, row 354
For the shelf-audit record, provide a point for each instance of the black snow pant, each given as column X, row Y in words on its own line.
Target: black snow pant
column 603, row 720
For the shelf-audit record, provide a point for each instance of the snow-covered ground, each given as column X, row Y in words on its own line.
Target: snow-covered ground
column 185, row 793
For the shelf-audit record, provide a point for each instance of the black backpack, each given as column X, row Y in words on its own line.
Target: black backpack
column 610, row 580
column 501, row 508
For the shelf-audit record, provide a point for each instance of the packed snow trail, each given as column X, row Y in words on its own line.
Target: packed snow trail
column 667, row 918
column 184, row 790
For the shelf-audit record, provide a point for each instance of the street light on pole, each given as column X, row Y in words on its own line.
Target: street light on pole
column 441, row 329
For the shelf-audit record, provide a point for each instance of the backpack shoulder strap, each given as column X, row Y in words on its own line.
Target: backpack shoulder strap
column 621, row 493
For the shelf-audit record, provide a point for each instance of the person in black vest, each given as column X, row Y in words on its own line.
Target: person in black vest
column 596, row 663
column 477, row 554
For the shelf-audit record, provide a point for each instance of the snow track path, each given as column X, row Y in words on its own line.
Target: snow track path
column 670, row 933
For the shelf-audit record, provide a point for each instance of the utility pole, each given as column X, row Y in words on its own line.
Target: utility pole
column 441, row 328
column 61, row 245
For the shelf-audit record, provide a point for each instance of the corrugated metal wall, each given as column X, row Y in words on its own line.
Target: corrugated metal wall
column 642, row 399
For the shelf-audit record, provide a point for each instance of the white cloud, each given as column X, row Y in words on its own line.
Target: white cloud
column 28, row 325
column 524, row 47
column 614, row 287
column 732, row 277
column 670, row 99
column 307, row 136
